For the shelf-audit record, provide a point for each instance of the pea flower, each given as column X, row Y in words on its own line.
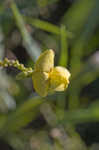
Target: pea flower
column 46, row 78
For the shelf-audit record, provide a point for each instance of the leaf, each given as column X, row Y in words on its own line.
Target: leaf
column 30, row 45
column 64, row 47
column 24, row 114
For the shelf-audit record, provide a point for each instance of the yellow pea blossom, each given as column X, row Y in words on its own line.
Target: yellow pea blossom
column 47, row 78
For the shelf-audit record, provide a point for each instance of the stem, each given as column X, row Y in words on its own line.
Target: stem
column 15, row 63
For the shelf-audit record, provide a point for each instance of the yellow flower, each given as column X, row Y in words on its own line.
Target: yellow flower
column 47, row 78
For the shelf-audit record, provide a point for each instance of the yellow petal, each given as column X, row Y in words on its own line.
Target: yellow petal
column 40, row 83
column 45, row 62
column 59, row 79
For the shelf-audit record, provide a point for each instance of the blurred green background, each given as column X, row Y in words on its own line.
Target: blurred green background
column 65, row 120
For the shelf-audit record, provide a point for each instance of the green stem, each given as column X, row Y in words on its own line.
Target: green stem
column 15, row 63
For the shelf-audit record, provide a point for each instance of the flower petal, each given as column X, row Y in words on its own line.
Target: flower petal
column 45, row 62
column 41, row 82
column 59, row 79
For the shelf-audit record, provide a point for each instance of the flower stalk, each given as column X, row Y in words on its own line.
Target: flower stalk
column 25, row 72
